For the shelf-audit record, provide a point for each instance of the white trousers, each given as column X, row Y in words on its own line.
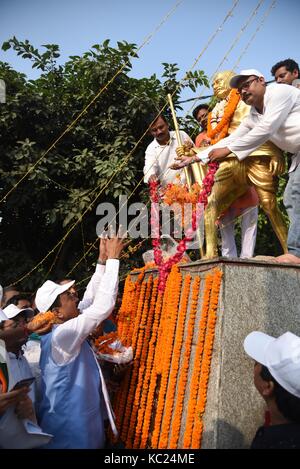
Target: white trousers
column 249, row 229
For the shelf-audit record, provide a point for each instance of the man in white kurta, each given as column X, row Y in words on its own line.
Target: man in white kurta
column 161, row 153
column 274, row 116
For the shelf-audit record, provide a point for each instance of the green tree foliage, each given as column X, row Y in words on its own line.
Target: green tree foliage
column 84, row 162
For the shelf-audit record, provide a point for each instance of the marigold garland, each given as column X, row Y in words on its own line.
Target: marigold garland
column 163, row 326
column 181, row 194
column 128, row 309
column 176, row 423
column 148, row 358
column 175, row 283
column 206, row 361
column 197, row 363
column 140, row 357
column 157, row 337
column 221, row 129
column 42, row 319
column 152, row 386
column 3, row 382
column 136, row 352
column 103, row 342
column 164, row 434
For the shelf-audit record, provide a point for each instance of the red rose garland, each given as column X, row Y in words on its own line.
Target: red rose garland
column 164, row 267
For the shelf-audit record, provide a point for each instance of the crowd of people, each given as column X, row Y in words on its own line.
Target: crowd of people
column 68, row 398
column 56, row 384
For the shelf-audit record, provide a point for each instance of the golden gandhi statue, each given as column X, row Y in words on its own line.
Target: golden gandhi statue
column 234, row 177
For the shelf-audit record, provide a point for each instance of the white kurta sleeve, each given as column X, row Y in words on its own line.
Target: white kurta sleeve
column 242, row 130
column 68, row 337
column 92, row 288
column 279, row 104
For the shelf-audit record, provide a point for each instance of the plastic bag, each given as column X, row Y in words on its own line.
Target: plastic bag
column 117, row 353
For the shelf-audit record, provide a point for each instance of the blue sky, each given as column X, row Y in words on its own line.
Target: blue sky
column 76, row 25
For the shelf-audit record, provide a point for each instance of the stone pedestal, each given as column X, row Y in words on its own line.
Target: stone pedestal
column 255, row 295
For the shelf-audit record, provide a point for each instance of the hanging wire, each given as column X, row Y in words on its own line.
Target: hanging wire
column 228, row 15
column 234, row 43
column 255, row 33
column 53, row 263
column 70, row 126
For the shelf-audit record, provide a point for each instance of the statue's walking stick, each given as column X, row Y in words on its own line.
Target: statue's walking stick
column 186, row 171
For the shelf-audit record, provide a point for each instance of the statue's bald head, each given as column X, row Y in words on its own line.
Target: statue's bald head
column 221, row 83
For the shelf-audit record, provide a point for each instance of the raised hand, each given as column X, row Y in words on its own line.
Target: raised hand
column 102, row 249
column 115, row 245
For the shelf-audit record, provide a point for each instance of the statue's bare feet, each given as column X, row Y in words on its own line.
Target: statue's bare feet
column 288, row 258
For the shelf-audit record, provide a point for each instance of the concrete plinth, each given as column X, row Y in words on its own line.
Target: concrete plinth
column 255, row 295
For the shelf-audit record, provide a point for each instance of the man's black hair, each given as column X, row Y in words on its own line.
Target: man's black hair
column 14, row 300
column 289, row 64
column 287, row 403
column 151, row 118
column 10, row 288
column 197, row 109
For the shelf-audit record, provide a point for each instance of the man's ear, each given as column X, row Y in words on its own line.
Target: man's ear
column 267, row 389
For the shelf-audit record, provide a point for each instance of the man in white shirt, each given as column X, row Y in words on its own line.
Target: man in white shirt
column 19, row 368
column 74, row 396
column 161, row 153
column 274, row 116
column 286, row 71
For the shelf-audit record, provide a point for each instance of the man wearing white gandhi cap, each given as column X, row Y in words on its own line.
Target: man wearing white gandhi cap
column 277, row 379
column 74, row 398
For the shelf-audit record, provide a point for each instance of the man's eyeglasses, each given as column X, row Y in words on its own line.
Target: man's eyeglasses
column 245, row 86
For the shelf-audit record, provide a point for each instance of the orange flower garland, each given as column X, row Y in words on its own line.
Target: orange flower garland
column 130, row 300
column 163, row 441
column 181, row 194
column 163, row 326
column 174, row 283
column 155, row 309
column 221, row 129
column 207, row 356
column 136, row 351
column 140, row 357
column 124, row 311
column 42, row 319
column 152, row 386
column 197, row 363
column 102, row 343
column 176, row 424
column 3, row 381
column 149, row 408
